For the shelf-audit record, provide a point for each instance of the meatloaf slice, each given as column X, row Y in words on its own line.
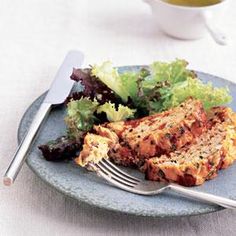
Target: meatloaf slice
column 129, row 143
column 157, row 134
column 201, row 161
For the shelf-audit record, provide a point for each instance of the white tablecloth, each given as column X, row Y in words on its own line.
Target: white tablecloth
column 34, row 37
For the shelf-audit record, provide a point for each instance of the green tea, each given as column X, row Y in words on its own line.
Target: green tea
column 193, row 3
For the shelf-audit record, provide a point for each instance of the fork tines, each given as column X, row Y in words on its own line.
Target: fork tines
column 114, row 174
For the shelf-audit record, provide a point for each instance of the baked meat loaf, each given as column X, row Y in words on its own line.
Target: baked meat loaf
column 194, row 164
column 157, row 134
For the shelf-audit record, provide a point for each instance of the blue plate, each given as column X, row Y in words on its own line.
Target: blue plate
column 85, row 186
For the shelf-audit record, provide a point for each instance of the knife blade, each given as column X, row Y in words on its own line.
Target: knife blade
column 58, row 92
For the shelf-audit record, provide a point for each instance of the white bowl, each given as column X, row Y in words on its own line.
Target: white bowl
column 185, row 22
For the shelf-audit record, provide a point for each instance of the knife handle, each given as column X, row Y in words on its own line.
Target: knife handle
column 21, row 152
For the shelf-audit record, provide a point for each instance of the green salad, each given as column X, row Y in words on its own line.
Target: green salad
column 109, row 95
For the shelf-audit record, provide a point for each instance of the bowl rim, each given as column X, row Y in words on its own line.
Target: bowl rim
column 188, row 8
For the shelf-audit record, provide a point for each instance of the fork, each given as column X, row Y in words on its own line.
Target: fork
column 122, row 180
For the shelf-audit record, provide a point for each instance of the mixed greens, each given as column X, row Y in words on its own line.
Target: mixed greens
column 108, row 95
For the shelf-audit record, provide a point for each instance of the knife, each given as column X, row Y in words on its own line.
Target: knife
column 56, row 95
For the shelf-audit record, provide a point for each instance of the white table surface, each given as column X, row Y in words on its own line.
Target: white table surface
column 34, row 37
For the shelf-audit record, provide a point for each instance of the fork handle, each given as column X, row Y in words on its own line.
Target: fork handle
column 206, row 197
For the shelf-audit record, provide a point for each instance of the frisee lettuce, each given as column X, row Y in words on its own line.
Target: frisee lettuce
column 113, row 114
column 80, row 116
column 173, row 72
column 209, row 95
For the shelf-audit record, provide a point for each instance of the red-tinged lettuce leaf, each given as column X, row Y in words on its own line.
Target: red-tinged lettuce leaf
column 60, row 149
column 93, row 88
column 74, row 96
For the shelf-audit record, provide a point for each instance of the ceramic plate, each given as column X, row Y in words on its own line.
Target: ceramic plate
column 85, row 186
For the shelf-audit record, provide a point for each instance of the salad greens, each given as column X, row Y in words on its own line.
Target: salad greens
column 136, row 93
column 154, row 89
column 83, row 113
column 209, row 95
column 108, row 95
column 80, row 116
column 113, row 114
column 93, row 88
column 175, row 83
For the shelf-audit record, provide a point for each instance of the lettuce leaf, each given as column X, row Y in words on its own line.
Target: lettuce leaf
column 92, row 87
column 60, row 149
column 113, row 114
column 129, row 81
column 172, row 72
column 80, row 116
column 133, row 82
column 111, row 78
column 194, row 88
column 164, row 74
